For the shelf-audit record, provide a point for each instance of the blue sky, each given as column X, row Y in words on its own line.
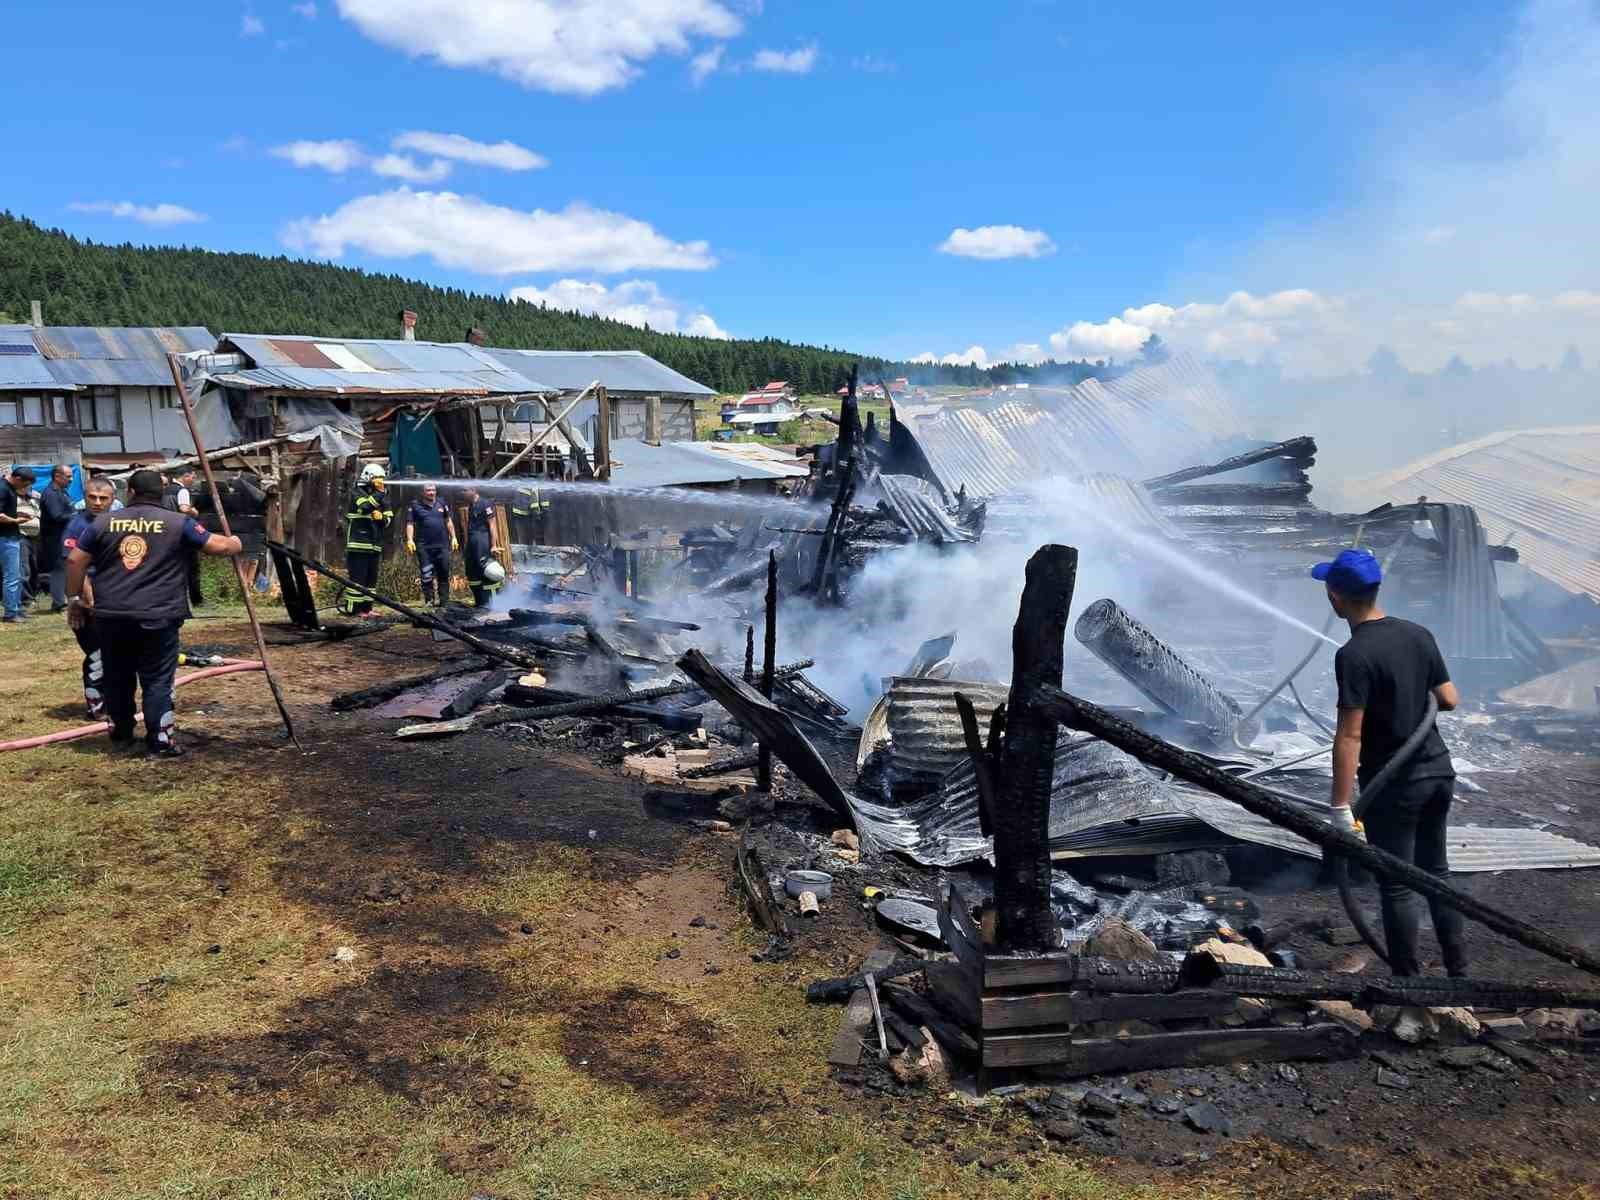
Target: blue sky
column 1004, row 180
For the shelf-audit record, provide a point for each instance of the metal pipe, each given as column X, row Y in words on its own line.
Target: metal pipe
column 1153, row 667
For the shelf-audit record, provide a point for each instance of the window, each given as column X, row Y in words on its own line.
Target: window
column 165, row 397
column 33, row 410
column 8, row 412
column 100, row 412
column 58, row 411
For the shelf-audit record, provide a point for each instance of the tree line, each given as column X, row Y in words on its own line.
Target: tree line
column 82, row 282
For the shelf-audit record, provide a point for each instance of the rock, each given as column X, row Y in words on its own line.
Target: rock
column 507, row 1082
column 1250, row 1011
column 1464, row 1058
column 214, row 948
column 846, row 838
column 1505, row 1029
column 344, row 954
column 1353, row 962
column 1132, row 1098
column 1561, row 1023
column 673, row 953
column 1344, row 1013
column 1393, row 1061
column 1206, row 1117
column 1393, row 1080
column 1065, row 1099
column 923, row 1066
column 1414, row 1026
column 1288, row 1073
column 1457, row 1025
column 1098, row 1104
column 1118, row 939
column 848, row 856
column 526, row 928
column 1233, row 952
column 1063, row 1131
column 1102, row 1126
column 1340, row 935
column 697, row 923
column 1524, row 1056
column 1167, row 1106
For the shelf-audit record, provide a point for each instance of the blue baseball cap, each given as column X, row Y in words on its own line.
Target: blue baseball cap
column 1351, row 571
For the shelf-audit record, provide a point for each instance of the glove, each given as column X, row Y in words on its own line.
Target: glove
column 411, row 546
column 1344, row 817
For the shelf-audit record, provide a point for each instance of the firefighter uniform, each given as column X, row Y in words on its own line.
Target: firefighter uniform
column 526, row 509
column 480, row 520
column 140, row 557
column 365, row 522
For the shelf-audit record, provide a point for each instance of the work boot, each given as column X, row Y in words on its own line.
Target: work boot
column 164, row 750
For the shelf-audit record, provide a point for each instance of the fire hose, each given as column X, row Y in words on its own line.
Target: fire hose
column 227, row 667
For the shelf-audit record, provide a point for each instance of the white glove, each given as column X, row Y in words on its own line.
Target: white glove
column 1344, row 818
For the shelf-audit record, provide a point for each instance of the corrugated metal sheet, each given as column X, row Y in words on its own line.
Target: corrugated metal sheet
column 918, row 505
column 1138, row 424
column 117, row 355
column 925, row 727
column 617, row 370
column 678, row 464
column 25, row 371
column 351, row 366
column 1538, row 489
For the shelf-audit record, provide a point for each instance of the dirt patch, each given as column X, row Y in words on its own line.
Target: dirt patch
column 657, row 1047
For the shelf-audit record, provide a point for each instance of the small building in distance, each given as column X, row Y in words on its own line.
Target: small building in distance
column 632, row 379
column 38, row 413
column 762, row 410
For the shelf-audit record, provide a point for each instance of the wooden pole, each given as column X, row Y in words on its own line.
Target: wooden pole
column 1028, row 755
column 238, row 566
column 750, row 654
column 602, row 435
column 556, row 423
column 768, row 663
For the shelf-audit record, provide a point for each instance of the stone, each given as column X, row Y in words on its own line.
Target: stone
column 922, row 1066
column 1063, row 1131
column 846, row 838
column 1505, row 1029
column 1132, row 1098
column 1206, row 1117
column 697, row 923
column 1102, row 1126
column 1524, row 1056
column 1344, row 1013
column 1098, row 1104
column 1464, row 1058
column 1233, row 952
column 1065, row 1099
column 1288, row 1073
column 1167, row 1106
column 214, row 948
column 1561, row 1023
column 1118, row 939
column 848, row 856
column 1457, row 1025
column 1393, row 1080
column 1413, row 1026
column 1393, row 1061
column 673, row 953
column 344, row 954
column 1249, row 1010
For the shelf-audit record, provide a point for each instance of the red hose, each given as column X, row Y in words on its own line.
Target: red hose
column 230, row 667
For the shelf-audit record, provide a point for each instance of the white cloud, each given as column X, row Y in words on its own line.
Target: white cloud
column 633, row 302
column 145, row 214
column 798, row 61
column 469, row 233
column 1296, row 321
column 403, row 166
column 308, row 10
column 574, row 47
column 337, row 155
column 705, row 64
column 251, row 26
column 998, row 241
column 504, row 156
column 972, row 356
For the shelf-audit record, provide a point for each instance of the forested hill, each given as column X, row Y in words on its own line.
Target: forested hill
column 86, row 283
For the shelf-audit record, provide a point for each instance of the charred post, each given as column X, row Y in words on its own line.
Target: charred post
column 1028, row 755
column 768, row 663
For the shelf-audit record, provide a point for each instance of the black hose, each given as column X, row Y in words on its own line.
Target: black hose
column 1361, row 802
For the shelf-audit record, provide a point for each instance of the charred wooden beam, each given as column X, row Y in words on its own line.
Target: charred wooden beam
column 1082, row 972
column 1080, row 714
column 1301, row 449
column 475, row 694
column 837, row 991
column 1028, row 1010
column 1233, row 493
column 758, row 889
column 1204, row 970
column 1028, row 755
column 915, row 1008
column 770, row 653
column 1144, row 1052
column 378, row 693
column 726, row 766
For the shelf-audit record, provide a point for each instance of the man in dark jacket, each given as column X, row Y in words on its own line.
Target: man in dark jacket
column 366, row 521
column 139, row 601
column 1385, row 673
column 98, row 496
column 431, row 536
column 55, row 512
column 12, row 556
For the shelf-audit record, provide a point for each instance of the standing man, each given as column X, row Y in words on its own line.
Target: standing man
column 138, row 602
column 180, row 499
column 483, row 548
column 98, row 496
column 431, row 536
column 55, row 513
column 1385, row 673
column 365, row 522
column 15, row 484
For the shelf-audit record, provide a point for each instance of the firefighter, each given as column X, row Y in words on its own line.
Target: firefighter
column 483, row 547
column 431, row 536
column 525, row 507
column 365, row 523
column 98, row 495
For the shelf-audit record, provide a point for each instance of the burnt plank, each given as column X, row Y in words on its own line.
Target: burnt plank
column 1025, row 1010
column 955, row 990
column 1196, row 1048
column 1088, row 974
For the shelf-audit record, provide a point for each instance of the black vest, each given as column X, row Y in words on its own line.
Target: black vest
column 141, row 566
column 169, row 498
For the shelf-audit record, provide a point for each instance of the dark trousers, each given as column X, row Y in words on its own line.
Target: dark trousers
column 433, row 563
column 196, row 599
column 1409, row 821
column 362, row 567
column 93, row 670
column 149, row 657
column 477, row 556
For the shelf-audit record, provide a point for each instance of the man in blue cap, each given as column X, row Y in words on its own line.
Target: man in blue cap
column 1385, row 672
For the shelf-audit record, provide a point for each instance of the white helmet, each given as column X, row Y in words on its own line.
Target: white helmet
column 373, row 471
column 494, row 572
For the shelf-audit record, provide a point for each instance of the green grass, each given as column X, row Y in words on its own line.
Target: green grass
column 34, row 869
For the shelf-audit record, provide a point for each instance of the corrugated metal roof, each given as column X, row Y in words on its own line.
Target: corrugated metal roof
column 24, row 369
column 117, row 355
column 676, row 464
column 918, row 505
column 343, row 366
column 1538, row 489
column 617, row 370
column 926, row 739
column 1138, row 424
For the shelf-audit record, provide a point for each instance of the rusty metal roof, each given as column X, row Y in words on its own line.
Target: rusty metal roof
column 359, row 366
column 22, row 367
column 1537, row 489
column 117, row 355
column 1137, row 424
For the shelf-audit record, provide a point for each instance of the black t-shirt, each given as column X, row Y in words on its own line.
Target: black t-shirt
column 1388, row 667
column 8, row 507
column 430, row 521
column 478, row 518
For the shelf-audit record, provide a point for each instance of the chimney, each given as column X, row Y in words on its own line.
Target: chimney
column 652, row 421
column 408, row 325
column 38, row 314
column 475, row 336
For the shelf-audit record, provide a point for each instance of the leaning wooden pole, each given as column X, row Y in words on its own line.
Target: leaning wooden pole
column 1024, row 920
column 1090, row 718
column 238, row 565
column 768, row 665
